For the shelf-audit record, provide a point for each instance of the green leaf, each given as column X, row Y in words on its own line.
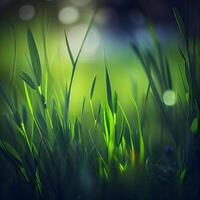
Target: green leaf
column 194, row 126
column 24, row 76
column 109, row 91
column 92, row 88
column 35, row 59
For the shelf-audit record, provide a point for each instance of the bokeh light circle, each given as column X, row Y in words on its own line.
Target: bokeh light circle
column 26, row 12
column 169, row 98
column 68, row 15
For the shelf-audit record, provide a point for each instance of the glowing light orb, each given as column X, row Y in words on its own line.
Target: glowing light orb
column 26, row 12
column 68, row 15
column 169, row 98
column 80, row 2
column 91, row 45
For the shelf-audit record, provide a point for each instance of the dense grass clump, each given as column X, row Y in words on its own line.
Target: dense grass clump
column 49, row 155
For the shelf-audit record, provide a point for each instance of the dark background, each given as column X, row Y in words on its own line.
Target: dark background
column 158, row 10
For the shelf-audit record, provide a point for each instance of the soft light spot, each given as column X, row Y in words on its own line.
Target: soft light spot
column 80, row 2
column 68, row 15
column 169, row 98
column 26, row 12
column 105, row 16
column 91, row 45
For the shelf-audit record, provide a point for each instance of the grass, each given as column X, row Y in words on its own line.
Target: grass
column 52, row 156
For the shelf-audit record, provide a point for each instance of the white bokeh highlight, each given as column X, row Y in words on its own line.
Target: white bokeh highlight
column 69, row 15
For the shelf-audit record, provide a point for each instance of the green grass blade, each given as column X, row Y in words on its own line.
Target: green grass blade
column 84, row 39
column 109, row 90
column 24, row 76
column 12, row 77
column 35, row 59
column 141, row 140
column 179, row 22
column 83, row 107
column 69, row 50
column 92, row 88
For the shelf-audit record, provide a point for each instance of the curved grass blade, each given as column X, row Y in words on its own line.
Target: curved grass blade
column 74, row 62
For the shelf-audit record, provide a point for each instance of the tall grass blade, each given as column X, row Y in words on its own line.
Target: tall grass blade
column 35, row 59
column 92, row 88
column 109, row 90
column 69, row 50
